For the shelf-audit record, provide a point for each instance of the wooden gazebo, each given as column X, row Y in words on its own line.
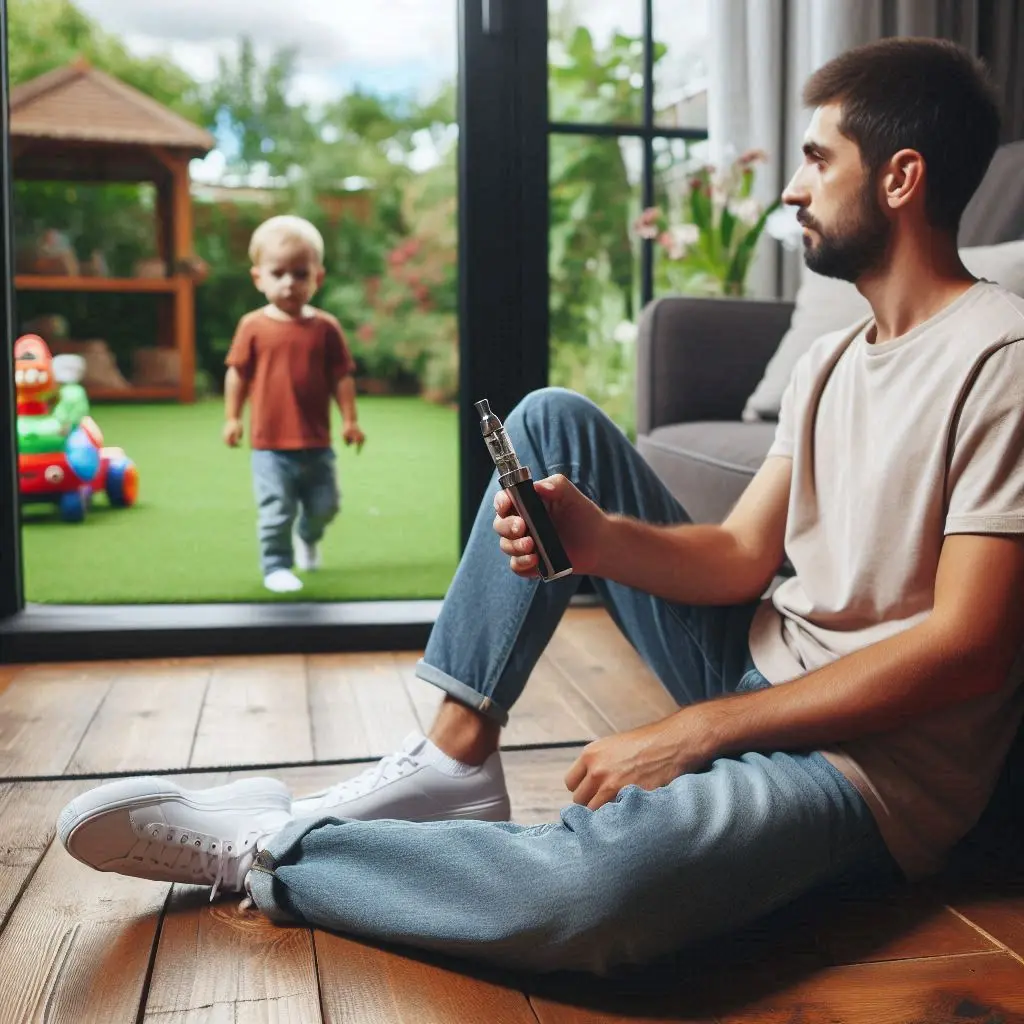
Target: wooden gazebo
column 78, row 124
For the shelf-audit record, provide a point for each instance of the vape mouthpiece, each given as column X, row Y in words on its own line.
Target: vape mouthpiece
column 489, row 423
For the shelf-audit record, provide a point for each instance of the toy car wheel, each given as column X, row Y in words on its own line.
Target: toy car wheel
column 72, row 506
column 122, row 483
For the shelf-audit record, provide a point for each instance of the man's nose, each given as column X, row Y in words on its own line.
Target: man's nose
column 794, row 194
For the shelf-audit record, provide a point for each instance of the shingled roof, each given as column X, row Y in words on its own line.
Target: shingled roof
column 81, row 104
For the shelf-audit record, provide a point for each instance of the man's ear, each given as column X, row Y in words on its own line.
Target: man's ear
column 254, row 273
column 320, row 275
column 903, row 179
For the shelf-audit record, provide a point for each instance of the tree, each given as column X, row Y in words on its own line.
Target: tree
column 592, row 198
column 47, row 34
column 250, row 102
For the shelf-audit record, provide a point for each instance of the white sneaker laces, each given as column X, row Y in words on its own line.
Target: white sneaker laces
column 206, row 858
column 387, row 769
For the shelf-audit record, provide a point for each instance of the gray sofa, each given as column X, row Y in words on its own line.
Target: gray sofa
column 698, row 361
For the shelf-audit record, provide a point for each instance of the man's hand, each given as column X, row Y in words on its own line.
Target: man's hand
column 232, row 433
column 581, row 526
column 351, row 434
column 648, row 757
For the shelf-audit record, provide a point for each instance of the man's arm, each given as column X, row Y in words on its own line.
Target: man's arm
column 964, row 649
column 705, row 564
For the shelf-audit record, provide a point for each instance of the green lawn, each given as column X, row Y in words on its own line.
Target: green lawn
column 192, row 535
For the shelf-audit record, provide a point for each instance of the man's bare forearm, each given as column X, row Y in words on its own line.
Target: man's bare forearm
column 236, row 391
column 689, row 564
column 874, row 690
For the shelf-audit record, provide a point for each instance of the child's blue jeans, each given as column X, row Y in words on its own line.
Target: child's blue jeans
column 294, row 489
column 639, row 877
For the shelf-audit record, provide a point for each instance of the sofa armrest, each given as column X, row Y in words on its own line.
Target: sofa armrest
column 701, row 358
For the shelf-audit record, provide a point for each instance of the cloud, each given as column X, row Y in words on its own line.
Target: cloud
column 338, row 41
column 386, row 45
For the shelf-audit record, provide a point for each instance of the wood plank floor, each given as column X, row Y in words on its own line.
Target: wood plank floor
column 80, row 946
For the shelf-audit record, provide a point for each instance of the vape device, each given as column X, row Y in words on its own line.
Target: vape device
column 552, row 561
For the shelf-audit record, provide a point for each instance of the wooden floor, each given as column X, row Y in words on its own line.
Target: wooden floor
column 80, row 946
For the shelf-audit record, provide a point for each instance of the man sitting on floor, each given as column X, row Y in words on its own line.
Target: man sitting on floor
column 852, row 725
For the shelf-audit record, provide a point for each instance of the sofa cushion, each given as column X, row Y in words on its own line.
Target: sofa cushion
column 707, row 465
column 825, row 304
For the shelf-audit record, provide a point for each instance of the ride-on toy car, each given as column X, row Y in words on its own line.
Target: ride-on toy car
column 61, row 455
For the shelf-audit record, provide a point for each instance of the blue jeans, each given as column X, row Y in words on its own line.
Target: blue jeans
column 643, row 875
column 292, row 485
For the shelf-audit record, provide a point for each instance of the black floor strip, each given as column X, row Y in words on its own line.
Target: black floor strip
column 262, row 766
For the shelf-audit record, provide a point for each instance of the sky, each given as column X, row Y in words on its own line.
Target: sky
column 384, row 46
column 387, row 45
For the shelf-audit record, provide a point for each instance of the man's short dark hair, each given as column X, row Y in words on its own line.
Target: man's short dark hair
column 930, row 95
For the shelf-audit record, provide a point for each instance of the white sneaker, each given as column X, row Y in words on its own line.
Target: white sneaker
column 307, row 556
column 418, row 783
column 282, row 581
column 153, row 828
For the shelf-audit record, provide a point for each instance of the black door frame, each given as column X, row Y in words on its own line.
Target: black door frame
column 503, row 355
column 11, row 593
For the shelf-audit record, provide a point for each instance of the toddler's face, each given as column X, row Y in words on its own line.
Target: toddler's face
column 288, row 274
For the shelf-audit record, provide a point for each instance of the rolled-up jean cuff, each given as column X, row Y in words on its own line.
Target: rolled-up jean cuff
column 461, row 692
column 264, row 887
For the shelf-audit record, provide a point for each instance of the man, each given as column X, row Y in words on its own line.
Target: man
column 896, row 489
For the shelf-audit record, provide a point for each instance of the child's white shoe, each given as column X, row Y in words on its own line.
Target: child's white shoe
column 282, row 581
column 307, row 556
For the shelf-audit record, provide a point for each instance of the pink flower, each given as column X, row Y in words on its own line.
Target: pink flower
column 646, row 225
column 678, row 239
column 752, row 156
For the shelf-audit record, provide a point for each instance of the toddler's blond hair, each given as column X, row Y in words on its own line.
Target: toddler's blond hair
column 287, row 227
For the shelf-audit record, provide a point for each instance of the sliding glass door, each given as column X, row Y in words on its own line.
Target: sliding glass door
column 627, row 107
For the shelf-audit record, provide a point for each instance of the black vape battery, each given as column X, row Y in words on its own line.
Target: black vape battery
column 553, row 562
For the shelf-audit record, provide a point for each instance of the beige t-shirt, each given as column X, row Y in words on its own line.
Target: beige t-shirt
column 895, row 445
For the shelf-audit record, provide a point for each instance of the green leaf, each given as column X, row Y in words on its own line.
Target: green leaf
column 700, row 208
column 737, row 271
column 728, row 223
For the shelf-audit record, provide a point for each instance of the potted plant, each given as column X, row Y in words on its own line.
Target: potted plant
column 707, row 248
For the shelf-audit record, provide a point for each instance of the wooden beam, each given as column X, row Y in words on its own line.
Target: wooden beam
column 185, row 338
column 169, row 160
column 181, row 231
column 182, row 212
column 76, row 283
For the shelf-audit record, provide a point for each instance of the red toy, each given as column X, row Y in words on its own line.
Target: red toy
column 61, row 455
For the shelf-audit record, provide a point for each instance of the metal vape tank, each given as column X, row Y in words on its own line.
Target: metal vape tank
column 553, row 562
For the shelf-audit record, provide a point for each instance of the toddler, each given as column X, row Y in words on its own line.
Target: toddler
column 289, row 360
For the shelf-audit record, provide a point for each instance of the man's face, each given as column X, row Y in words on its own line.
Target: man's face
column 845, row 230
column 288, row 274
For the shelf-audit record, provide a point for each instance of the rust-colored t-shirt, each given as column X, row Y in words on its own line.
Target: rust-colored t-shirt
column 292, row 369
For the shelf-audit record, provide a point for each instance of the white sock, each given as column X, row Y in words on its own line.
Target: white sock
column 446, row 765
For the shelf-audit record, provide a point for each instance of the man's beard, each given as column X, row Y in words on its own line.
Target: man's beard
column 856, row 246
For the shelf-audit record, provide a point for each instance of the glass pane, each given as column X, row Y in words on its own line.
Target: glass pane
column 594, row 266
column 342, row 114
column 680, row 66
column 674, row 163
column 595, row 61
column 706, row 219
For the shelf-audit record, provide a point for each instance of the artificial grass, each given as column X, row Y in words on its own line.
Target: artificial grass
column 192, row 536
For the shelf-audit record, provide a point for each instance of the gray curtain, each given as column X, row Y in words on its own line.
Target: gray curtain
column 1001, row 45
column 762, row 51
